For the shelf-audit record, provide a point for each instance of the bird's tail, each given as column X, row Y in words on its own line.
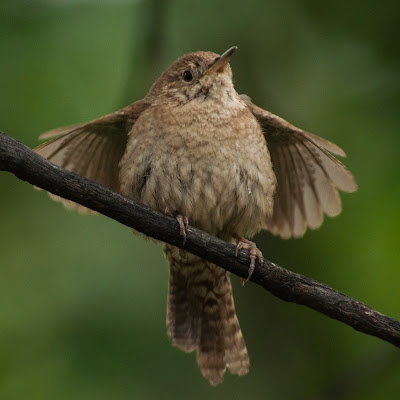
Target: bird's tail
column 201, row 315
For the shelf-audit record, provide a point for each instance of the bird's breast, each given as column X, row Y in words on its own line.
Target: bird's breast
column 213, row 167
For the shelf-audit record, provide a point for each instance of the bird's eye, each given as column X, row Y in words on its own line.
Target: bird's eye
column 187, row 76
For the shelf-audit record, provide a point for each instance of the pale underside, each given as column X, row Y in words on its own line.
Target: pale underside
column 201, row 167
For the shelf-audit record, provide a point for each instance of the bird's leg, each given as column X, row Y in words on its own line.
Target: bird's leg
column 182, row 221
column 243, row 243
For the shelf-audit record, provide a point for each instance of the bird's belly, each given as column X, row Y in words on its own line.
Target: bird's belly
column 221, row 188
column 223, row 182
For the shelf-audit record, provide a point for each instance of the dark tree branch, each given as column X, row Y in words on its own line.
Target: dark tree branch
column 28, row 166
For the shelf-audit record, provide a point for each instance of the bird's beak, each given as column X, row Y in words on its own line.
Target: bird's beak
column 221, row 62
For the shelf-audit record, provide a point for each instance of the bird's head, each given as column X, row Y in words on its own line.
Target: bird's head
column 196, row 76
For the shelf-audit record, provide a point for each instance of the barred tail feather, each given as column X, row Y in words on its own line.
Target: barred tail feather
column 201, row 316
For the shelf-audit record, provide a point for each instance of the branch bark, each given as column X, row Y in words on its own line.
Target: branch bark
column 29, row 166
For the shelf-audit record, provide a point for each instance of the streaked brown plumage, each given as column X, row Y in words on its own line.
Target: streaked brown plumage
column 195, row 147
column 201, row 315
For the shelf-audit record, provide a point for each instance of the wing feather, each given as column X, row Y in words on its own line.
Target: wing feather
column 92, row 150
column 308, row 175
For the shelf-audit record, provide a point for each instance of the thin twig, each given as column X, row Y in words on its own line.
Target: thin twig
column 28, row 166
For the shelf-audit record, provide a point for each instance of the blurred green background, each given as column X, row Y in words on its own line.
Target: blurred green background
column 82, row 300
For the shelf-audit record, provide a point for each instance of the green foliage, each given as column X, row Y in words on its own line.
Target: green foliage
column 82, row 300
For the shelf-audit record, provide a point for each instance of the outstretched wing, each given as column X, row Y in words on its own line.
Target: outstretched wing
column 93, row 149
column 308, row 176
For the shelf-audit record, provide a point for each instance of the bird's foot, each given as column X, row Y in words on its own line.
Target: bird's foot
column 182, row 221
column 245, row 244
column 183, row 226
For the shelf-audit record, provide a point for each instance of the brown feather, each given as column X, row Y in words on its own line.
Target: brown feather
column 92, row 150
column 201, row 315
column 308, row 176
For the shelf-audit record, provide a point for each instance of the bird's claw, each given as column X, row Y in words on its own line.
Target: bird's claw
column 254, row 254
column 182, row 221
column 183, row 226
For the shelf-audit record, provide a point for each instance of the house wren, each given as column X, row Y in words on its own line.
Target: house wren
column 197, row 149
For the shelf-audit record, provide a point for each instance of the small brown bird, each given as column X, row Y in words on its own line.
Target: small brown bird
column 196, row 149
